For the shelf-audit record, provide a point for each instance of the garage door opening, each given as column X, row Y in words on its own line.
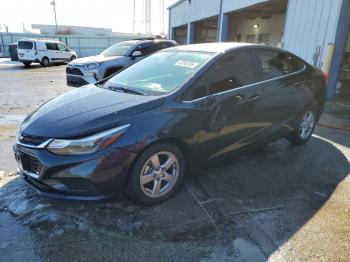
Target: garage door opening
column 180, row 35
column 343, row 84
column 206, row 31
column 263, row 23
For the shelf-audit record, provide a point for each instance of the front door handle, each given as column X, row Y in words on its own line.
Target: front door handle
column 238, row 98
column 254, row 98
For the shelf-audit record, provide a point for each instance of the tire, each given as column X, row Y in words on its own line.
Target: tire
column 45, row 62
column 73, row 58
column 150, row 181
column 27, row 64
column 305, row 127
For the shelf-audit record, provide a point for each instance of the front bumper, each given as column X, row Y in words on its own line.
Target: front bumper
column 91, row 177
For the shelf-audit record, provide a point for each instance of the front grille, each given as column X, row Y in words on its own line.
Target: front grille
column 78, row 184
column 39, row 185
column 73, row 71
column 32, row 140
column 30, row 164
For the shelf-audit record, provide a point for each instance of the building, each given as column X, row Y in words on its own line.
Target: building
column 316, row 30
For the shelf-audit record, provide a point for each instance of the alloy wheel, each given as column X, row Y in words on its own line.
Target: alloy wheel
column 159, row 174
column 307, row 125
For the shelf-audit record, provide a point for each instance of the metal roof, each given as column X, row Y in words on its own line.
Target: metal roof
column 175, row 4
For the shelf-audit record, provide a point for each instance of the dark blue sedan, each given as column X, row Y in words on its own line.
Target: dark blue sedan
column 138, row 131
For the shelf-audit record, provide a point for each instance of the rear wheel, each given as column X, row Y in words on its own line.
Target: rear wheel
column 27, row 64
column 73, row 58
column 305, row 128
column 156, row 174
column 45, row 62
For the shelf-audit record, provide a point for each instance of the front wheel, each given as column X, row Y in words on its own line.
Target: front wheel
column 305, row 128
column 72, row 58
column 156, row 174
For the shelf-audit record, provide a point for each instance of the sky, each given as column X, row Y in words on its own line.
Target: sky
column 114, row 14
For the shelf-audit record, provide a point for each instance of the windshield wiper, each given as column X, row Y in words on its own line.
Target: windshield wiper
column 125, row 90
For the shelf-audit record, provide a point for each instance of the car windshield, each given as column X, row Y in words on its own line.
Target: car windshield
column 118, row 49
column 160, row 73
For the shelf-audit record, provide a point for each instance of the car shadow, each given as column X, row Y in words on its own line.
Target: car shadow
column 239, row 207
column 17, row 66
column 340, row 137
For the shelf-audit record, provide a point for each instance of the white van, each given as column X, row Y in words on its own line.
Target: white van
column 44, row 52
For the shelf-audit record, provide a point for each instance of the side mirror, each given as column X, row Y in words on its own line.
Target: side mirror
column 136, row 54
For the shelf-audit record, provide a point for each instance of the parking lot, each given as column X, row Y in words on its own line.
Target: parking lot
column 277, row 202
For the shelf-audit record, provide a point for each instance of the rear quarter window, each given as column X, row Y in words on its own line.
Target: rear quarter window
column 25, row 45
column 276, row 64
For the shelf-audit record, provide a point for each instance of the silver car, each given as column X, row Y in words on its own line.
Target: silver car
column 91, row 69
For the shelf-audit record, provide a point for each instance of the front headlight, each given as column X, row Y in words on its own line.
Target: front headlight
column 91, row 66
column 86, row 145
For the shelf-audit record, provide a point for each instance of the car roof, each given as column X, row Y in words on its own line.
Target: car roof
column 155, row 40
column 213, row 47
column 40, row 40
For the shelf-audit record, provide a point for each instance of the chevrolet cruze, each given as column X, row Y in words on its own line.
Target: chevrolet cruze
column 137, row 132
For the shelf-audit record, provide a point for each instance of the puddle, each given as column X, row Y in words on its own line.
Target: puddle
column 11, row 119
column 248, row 251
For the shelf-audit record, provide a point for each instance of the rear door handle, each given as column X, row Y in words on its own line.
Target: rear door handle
column 299, row 83
column 254, row 98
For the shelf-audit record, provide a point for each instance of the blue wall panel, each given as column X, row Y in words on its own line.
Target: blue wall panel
column 184, row 12
column 310, row 26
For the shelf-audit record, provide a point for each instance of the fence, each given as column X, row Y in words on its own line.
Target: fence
column 83, row 45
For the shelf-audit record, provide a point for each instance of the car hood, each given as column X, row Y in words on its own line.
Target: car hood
column 85, row 111
column 93, row 59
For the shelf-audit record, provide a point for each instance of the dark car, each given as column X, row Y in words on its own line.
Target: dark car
column 91, row 69
column 139, row 131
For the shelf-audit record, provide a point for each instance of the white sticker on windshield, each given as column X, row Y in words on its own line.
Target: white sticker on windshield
column 187, row 64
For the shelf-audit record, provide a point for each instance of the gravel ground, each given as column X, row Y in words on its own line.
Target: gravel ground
column 276, row 203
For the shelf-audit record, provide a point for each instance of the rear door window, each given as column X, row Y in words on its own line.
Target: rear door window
column 161, row 45
column 145, row 49
column 52, row 46
column 62, row 47
column 25, row 45
column 276, row 64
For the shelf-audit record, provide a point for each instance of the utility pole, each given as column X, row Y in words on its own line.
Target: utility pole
column 147, row 4
column 162, row 17
column 134, row 18
column 54, row 10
